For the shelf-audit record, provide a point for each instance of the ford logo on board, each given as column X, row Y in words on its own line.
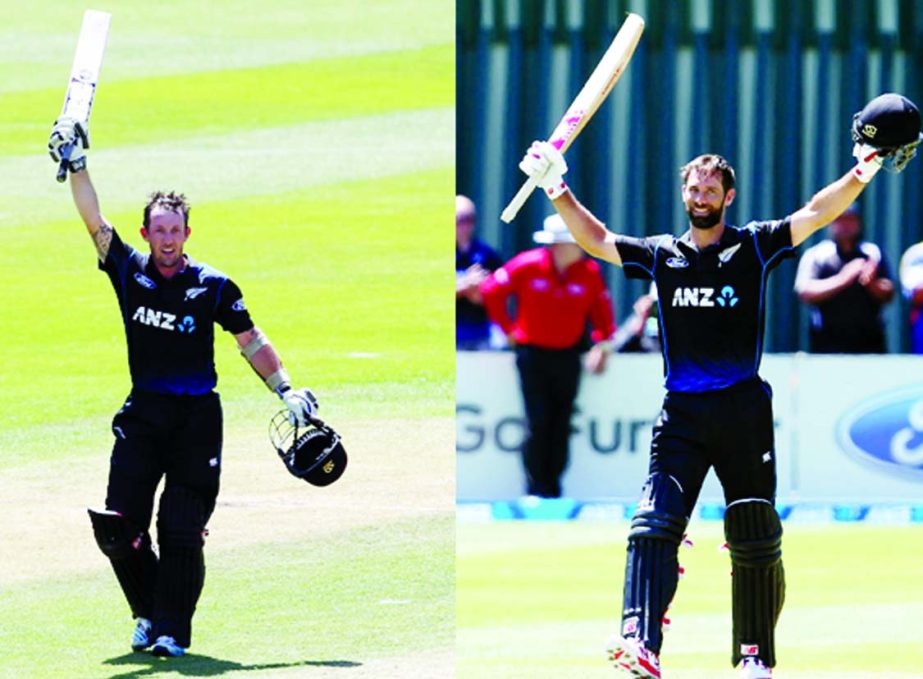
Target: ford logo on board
column 887, row 431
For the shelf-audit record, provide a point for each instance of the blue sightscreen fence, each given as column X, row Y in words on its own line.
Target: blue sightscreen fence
column 770, row 84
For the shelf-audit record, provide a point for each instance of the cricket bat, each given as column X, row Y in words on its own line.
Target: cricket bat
column 588, row 100
column 84, row 74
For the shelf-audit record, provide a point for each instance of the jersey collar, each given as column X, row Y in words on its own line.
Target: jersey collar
column 729, row 236
column 152, row 272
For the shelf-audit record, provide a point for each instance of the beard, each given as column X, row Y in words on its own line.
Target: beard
column 704, row 221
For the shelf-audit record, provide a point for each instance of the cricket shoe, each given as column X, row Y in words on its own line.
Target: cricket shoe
column 141, row 637
column 631, row 657
column 166, row 647
column 754, row 668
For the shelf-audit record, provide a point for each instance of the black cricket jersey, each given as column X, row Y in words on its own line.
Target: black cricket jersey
column 711, row 302
column 169, row 323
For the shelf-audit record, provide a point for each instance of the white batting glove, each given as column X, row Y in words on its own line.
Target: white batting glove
column 868, row 162
column 67, row 131
column 302, row 405
column 545, row 165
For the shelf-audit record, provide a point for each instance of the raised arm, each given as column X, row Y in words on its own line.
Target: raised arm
column 546, row 166
column 88, row 206
column 886, row 132
column 590, row 233
column 826, row 205
column 67, row 131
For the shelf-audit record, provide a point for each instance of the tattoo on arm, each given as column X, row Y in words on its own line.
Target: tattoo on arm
column 103, row 238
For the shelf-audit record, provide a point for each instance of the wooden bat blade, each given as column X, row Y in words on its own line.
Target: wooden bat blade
column 600, row 83
column 588, row 100
column 88, row 60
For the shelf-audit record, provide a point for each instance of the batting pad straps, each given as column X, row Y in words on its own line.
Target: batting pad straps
column 754, row 533
column 258, row 342
column 129, row 551
column 754, row 536
column 116, row 537
column 279, row 382
column 180, row 532
column 651, row 568
column 661, row 511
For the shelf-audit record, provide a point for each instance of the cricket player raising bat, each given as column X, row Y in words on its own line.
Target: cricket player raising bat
column 717, row 411
column 170, row 424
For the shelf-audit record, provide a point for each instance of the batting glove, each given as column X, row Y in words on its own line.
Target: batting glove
column 302, row 406
column 869, row 162
column 545, row 165
column 69, row 132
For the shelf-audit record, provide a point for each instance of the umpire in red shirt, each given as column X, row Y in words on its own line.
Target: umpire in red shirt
column 557, row 291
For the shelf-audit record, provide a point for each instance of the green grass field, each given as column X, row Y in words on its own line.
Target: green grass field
column 315, row 142
column 540, row 600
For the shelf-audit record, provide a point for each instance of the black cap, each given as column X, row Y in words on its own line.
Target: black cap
column 317, row 456
column 888, row 121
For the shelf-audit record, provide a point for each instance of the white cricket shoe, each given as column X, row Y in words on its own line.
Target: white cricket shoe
column 754, row 668
column 141, row 636
column 631, row 657
column 167, row 647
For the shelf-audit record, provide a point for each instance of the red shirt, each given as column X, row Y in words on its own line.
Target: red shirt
column 553, row 308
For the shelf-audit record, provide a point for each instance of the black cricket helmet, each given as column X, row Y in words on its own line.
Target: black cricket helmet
column 314, row 453
column 890, row 122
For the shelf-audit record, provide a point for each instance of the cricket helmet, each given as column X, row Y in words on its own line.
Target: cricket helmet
column 889, row 122
column 314, row 453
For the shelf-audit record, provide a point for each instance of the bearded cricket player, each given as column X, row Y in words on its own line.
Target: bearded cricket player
column 717, row 412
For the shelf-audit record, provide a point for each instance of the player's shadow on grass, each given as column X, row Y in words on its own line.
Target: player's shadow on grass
column 195, row 665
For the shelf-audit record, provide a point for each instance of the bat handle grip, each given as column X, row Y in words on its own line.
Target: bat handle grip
column 511, row 210
column 65, row 160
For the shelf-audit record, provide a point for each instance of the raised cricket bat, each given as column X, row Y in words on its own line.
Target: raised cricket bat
column 594, row 92
column 84, row 74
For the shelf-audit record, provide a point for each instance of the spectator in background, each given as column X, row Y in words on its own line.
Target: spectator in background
column 912, row 285
column 640, row 332
column 557, row 291
column 847, row 282
column 474, row 260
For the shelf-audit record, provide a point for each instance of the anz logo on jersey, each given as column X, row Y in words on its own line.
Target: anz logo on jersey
column 163, row 320
column 705, row 297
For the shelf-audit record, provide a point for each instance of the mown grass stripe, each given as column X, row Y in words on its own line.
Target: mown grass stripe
column 238, row 164
column 216, row 102
column 181, row 36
